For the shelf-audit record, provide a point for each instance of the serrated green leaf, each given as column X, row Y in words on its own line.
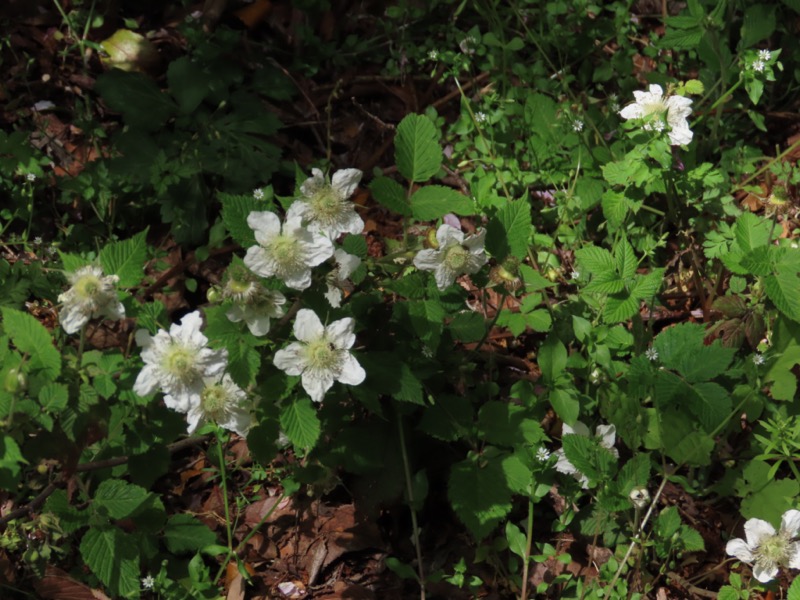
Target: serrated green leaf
column 142, row 104
column 620, row 308
column 691, row 540
column 759, row 261
column 668, row 522
column 417, row 150
column 73, row 262
column 448, row 418
column 119, row 498
column 794, row 590
column 54, row 397
column 552, row 359
column 682, row 348
column 539, row 320
column 751, row 231
column 507, row 424
column 70, row 519
column 615, row 205
column 355, row 245
column 468, row 326
column 647, row 286
column 758, row 24
column 427, row 318
column 516, row 540
column 300, row 422
column 112, row 556
column 783, row 289
column 433, row 201
column 235, row 210
column 479, row 495
column 186, row 534
column 625, row 259
column 31, row 337
column 11, row 461
column 518, row 476
column 565, row 403
column 509, row 231
column 390, row 194
column 595, row 260
column 125, row 259
column 188, row 83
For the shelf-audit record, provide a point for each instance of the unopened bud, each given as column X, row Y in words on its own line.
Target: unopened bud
column 430, row 240
column 15, row 381
column 639, row 497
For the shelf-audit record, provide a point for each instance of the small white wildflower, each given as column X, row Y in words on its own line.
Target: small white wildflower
column 481, row 117
column 577, row 125
column 613, row 103
column 177, row 362
column 574, row 274
column 30, row 177
column 767, row 550
column 455, row 255
column 542, row 455
column 258, row 194
column 758, row 66
column 653, row 107
column 37, row 241
column 92, row 295
column 758, row 359
column 322, row 354
column 222, row 402
column 596, row 376
column 148, row 583
column 651, row 354
column 337, row 279
column 607, row 434
column 764, row 55
column 467, row 45
column 251, row 301
column 639, row 497
column 433, row 55
column 326, row 207
column 287, row 252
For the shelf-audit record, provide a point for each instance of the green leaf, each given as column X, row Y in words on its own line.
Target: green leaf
column 620, row 307
column 647, row 286
column 188, row 83
column 31, row 337
column 448, row 419
column 468, row 326
column 758, row 24
column 125, row 259
column 119, row 498
column 565, row 402
column 300, row 422
column 794, row 590
column 668, row 522
column 615, row 206
column 552, row 359
column 786, row 341
column 355, row 245
column 427, row 317
column 751, row 231
column 235, row 210
column 70, row 519
column 691, row 540
column 479, row 495
column 73, row 262
column 112, row 556
column 506, row 424
column 625, row 259
column 682, row 348
column 11, row 461
column 539, row 320
column 589, row 457
column 516, row 540
column 433, row 201
column 390, row 194
column 186, row 534
column 509, row 231
column 417, row 150
column 595, row 260
column 783, row 289
column 54, row 397
column 137, row 97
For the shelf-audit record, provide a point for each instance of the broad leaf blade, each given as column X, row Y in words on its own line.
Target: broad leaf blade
column 417, row 150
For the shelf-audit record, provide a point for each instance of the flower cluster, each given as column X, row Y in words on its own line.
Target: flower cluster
column 768, row 550
column 191, row 376
column 92, row 295
column 654, row 109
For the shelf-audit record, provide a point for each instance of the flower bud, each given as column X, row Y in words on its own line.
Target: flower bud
column 639, row 497
column 430, row 239
column 214, row 295
column 15, row 381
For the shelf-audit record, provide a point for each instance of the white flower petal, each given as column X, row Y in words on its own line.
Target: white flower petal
column 428, row 260
column 258, row 325
column 290, row 359
column 756, row 530
column 318, row 250
column 352, row 372
column 307, row 326
column 793, row 560
column 738, row 547
column 313, row 183
column 764, row 573
column 632, row 111
column 345, row 181
column 300, row 280
column 578, row 428
column 265, row 225
column 259, row 262
column 680, row 136
column 340, row 333
column 316, row 383
column 790, row 522
column 72, row 318
column 147, row 381
column 334, row 296
column 347, row 263
column 607, row 435
column 444, row 277
column 447, row 235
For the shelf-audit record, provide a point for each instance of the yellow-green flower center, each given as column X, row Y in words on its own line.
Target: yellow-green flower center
column 326, row 204
column 773, row 551
column 286, row 252
column 321, row 355
column 88, row 286
column 214, row 399
column 179, row 362
column 240, row 290
column 456, row 258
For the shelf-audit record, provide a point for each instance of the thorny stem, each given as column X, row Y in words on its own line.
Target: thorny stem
column 410, row 493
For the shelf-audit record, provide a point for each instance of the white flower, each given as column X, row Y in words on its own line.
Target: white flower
column 251, row 302
column 258, row 194
column 326, row 206
column 574, row 275
column 337, row 278
column 766, row 549
column 542, row 455
column 480, row 117
column 92, row 295
column 31, row 177
column 577, row 125
column 607, row 434
column 148, row 582
column 653, row 107
column 651, row 354
column 433, row 55
column 639, row 497
column 758, row 359
column 764, row 55
column 287, row 253
column 224, row 403
column 322, row 354
column 467, row 45
column 758, row 66
column 177, row 362
column 454, row 256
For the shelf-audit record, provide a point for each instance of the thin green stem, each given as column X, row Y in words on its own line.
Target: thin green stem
column 410, row 493
column 81, row 344
column 528, row 545
column 224, row 485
